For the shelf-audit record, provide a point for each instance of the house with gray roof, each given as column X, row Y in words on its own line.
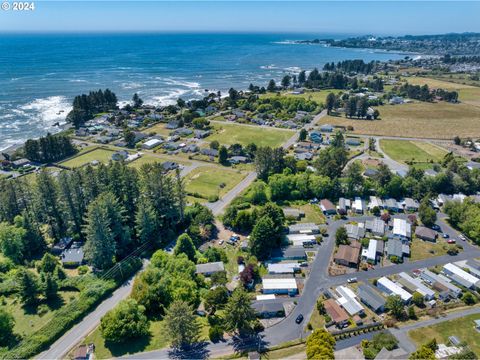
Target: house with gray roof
column 376, row 226
column 394, row 248
column 370, row 297
column 210, row 268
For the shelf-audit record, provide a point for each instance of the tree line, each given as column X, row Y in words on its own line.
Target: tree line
column 113, row 208
column 86, row 106
column 352, row 66
column 49, row 148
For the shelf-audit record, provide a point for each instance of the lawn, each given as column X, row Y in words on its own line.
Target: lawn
column 421, row 120
column 412, row 151
column 313, row 214
column 29, row 319
column 99, row 154
column 156, row 340
column 158, row 129
column 212, row 181
column 229, row 134
column 462, row 328
column 147, row 158
column 425, row 249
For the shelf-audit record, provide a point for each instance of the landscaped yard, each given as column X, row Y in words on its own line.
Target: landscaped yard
column 229, row 134
column 463, row 328
column 100, row 154
column 412, row 151
column 210, row 181
column 425, row 249
column 421, row 120
column 158, row 129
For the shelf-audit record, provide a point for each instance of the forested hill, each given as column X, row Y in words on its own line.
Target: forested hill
column 441, row 44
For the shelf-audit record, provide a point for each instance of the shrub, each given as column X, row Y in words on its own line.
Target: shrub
column 83, row 269
column 215, row 333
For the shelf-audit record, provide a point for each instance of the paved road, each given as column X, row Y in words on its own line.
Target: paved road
column 319, row 280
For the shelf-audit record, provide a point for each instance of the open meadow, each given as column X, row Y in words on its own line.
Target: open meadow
column 228, row 134
column 463, row 328
column 318, row 96
column 418, row 120
column 211, row 181
column 417, row 152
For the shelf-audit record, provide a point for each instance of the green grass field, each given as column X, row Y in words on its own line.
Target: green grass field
column 147, row 159
column 158, row 129
column 229, row 134
column 101, row 155
column 208, row 180
column 313, row 214
column 28, row 319
column 421, row 120
column 412, row 151
column 463, row 328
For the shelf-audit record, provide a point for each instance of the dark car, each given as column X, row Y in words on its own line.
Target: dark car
column 299, row 319
column 445, row 236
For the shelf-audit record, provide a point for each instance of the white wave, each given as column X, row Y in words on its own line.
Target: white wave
column 179, row 82
column 286, row 42
column 131, row 85
column 293, row 69
column 267, row 67
column 168, row 99
column 47, row 111
column 78, row 80
column 6, row 143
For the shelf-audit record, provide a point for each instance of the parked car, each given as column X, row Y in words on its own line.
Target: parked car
column 304, row 264
column 299, row 319
column 462, row 237
column 451, row 241
column 352, row 280
column 446, row 236
column 220, row 242
column 435, row 227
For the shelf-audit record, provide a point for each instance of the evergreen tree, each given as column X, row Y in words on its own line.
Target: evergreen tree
column 7, row 323
column 181, row 324
column 238, row 313
column 223, row 155
column 330, row 102
column 50, row 286
column 27, row 286
column 146, row 222
column 137, row 101
column 261, row 237
column 185, row 246
column 271, row 87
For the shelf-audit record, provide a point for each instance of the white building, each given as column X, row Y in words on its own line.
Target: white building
column 370, row 254
column 454, row 272
column 358, row 205
column 283, row 268
column 266, row 297
column 375, row 201
column 152, row 143
column 390, row 288
column 301, row 239
column 402, row 229
column 280, row 286
column 348, row 301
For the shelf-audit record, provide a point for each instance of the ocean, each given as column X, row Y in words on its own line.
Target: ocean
column 41, row 74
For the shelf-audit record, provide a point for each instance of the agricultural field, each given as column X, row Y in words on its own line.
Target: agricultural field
column 466, row 93
column 229, row 134
column 463, row 328
column 99, row 154
column 415, row 152
column 211, row 181
column 418, row 120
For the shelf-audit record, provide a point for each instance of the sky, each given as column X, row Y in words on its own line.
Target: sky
column 323, row 17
